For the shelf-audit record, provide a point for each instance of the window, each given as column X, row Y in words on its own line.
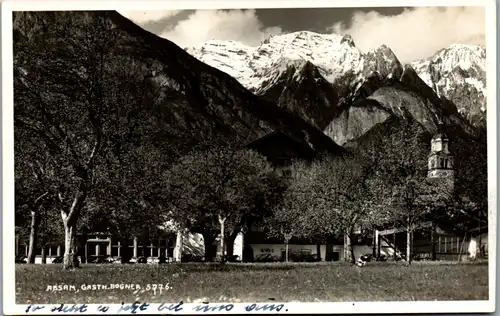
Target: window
column 163, row 252
column 91, row 251
column 171, row 243
column 438, row 146
column 170, row 252
column 256, row 228
column 283, row 254
column 335, row 256
column 103, row 249
column 449, row 244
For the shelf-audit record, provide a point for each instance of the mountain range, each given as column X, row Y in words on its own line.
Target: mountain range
column 192, row 101
column 334, row 65
column 320, row 88
column 458, row 73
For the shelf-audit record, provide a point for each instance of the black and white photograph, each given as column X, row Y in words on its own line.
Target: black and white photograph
column 215, row 157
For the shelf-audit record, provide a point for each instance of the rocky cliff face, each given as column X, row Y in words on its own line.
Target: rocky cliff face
column 319, row 88
column 379, row 100
column 458, row 73
column 336, row 58
column 193, row 101
column 320, row 76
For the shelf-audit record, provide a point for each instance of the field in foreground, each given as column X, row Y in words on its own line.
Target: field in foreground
column 253, row 282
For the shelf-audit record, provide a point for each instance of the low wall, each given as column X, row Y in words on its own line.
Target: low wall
column 276, row 250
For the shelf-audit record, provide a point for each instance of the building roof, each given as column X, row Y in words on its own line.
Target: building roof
column 281, row 147
column 481, row 229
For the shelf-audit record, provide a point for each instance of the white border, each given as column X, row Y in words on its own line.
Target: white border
column 132, row 5
column 491, row 88
column 293, row 307
column 9, row 306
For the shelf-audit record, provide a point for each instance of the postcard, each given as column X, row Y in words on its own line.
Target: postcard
column 222, row 157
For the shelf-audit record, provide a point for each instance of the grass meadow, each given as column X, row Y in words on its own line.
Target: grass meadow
column 280, row 282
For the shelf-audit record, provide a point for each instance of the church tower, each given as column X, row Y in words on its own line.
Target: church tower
column 440, row 158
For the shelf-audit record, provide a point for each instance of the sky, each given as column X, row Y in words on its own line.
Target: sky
column 412, row 33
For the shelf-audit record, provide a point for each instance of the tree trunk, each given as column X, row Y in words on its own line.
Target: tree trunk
column 144, row 248
column 433, row 241
column 394, row 244
column 478, row 251
column 179, row 245
column 44, row 254
column 222, row 237
column 318, row 252
column 408, row 244
column 348, row 250
column 375, row 250
column 124, row 251
column 35, row 223
column 286, row 250
column 70, row 259
column 84, row 246
column 287, row 238
column 208, row 240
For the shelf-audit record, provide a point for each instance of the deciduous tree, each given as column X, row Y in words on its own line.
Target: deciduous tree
column 59, row 86
column 399, row 163
column 329, row 197
column 212, row 190
column 87, row 105
column 288, row 216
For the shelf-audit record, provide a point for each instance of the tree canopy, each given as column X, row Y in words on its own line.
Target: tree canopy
column 216, row 190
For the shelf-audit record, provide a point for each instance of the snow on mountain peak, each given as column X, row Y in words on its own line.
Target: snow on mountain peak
column 347, row 39
column 458, row 73
column 458, row 55
column 332, row 54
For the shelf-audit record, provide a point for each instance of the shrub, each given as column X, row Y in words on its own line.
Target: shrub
column 303, row 257
column 192, row 258
column 267, row 257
